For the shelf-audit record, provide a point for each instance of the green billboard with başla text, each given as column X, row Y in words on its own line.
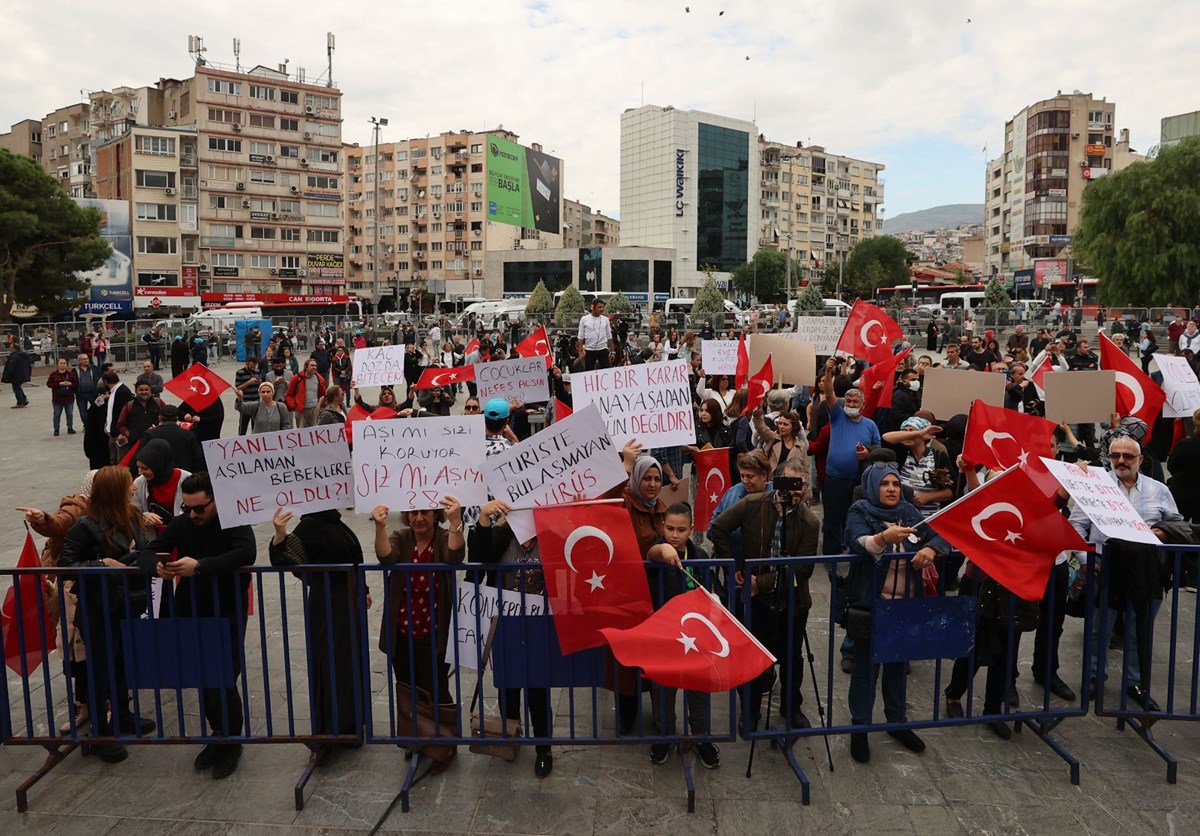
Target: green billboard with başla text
column 524, row 186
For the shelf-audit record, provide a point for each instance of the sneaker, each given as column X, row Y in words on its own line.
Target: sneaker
column 226, row 761
column 659, row 752
column 908, row 739
column 206, row 758
column 710, row 755
column 56, row 433
column 860, row 750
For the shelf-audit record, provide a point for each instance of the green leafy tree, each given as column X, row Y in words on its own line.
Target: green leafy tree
column 710, row 302
column 877, row 262
column 996, row 298
column 570, row 308
column 961, row 277
column 540, row 301
column 810, row 300
column 618, row 304
column 1137, row 230
column 765, row 276
column 45, row 239
column 895, row 304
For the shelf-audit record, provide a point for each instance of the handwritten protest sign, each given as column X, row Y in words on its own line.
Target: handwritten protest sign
column 414, row 464
column 719, row 356
column 650, row 402
column 571, row 458
column 379, row 366
column 792, row 361
column 519, row 379
column 822, row 331
column 1105, row 504
column 301, row 470
column 1180, row 384
column 476, row 605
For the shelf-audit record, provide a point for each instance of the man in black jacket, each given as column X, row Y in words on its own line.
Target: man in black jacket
column 209, row 584
column 186, row 451
column 18, row 369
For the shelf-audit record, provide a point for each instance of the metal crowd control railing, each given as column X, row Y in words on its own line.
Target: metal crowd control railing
column 338, row 687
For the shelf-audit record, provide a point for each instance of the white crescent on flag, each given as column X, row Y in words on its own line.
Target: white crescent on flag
column 695, row 616
column 990, row 511
column 194, row 380
column 862, row 334
column 596, row 581
column 1135, row 388
column 720, row 490
column 440, row 379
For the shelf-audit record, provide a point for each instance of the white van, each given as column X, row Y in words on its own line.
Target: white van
column 959, row 300
column 682, row 308
column 215, row 318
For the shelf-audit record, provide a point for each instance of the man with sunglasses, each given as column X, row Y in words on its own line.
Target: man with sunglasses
column 205, row 566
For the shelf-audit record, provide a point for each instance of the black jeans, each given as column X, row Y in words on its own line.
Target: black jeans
column 1050, row 625
column 595, row 360
column 999, row 665
column 537, row 701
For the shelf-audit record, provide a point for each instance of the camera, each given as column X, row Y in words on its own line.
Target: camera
column 789, row 488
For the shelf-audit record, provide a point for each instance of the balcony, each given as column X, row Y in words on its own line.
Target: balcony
column 190, row 192
column 187, row 160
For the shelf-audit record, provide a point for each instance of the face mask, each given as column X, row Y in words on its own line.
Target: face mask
column 852, row 411
column 914, row 385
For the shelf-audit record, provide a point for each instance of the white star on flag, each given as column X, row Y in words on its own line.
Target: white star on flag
column 689, row 643
column 1023, row 458
column 1012, row 536
column 712, row 497
column 596, row 581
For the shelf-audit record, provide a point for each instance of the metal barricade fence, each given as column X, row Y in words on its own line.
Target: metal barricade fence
column 1162, row 632
column 305, row 660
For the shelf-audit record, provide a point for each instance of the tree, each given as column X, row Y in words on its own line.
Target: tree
column 765, row 276
column 709, row 301
column 961, row 277
column 810, row 300
column 895, row 304
column 540, row 301
column 877, row 262
column 1137, row 230
column 619, row 304
column 45, row 239
column 570, row 308
column 997, row 298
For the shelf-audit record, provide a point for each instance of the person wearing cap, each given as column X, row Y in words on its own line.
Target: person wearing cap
column 498, row 436
column 924, row 468
column 245, row 383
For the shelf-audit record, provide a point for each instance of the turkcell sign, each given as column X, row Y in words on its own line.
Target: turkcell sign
column 679, row 178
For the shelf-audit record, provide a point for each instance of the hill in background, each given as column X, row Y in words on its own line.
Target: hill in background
column 938, row 217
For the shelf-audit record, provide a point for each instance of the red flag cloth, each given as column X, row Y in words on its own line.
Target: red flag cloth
column 692, row 642
column 357, row 413
column 1137, row 394
column 1011, row 530
column 742, row 370
column 471, row 346
column 712, row 480
column 561, row 410
column 758, row 386
column 859, row 335
column 536, row 344
column 27, row 649
column 127, row 459
column 445, row 376
column 1037, row 373
column 998, row 438
column 886, row 372
column 199, row 386
column 593, row 569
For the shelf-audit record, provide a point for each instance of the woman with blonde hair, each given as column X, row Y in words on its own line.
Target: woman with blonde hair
column 331, row 409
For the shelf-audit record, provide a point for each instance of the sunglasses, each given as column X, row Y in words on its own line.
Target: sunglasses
column 194, row 509
column 1123, row 456
column 470, row 408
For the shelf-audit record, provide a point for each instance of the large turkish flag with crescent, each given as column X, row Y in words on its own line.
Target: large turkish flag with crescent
column 436, row 376
column 712, row 480
column 998, row 438
column 758, row 386
column 1011, row 530
column 869, row 333
column 199, row 386
column 594, row 573
column 24, row 630
column 1137, row 394
column 536, row 344
column 692, row 642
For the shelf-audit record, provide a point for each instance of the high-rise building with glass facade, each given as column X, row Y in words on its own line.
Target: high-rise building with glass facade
column 689, row 182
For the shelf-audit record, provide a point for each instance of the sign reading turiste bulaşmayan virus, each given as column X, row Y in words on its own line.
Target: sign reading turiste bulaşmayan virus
column 524, row 186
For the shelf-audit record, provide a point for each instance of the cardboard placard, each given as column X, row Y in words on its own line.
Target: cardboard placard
column 1180, row 385
column 301, row 470
column 1081, row 397
column 719, row 356
column 476, row 605
column 413, row 464
column 1097, row 494
column 822, row 331
column 651, row 402
column 379, row 366
column 794, row 362
column 681, row 492
column 520, row 379
column 950, row 392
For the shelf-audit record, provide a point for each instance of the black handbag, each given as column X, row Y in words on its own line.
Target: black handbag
column 858, row 623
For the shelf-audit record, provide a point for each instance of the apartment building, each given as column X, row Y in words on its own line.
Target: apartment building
column 606, row 231
column 816, row 205
column 423, row 201
column 24, row 139
column 586, row 227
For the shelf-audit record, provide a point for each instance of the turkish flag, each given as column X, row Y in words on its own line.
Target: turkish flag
column 742, row 370
column 471, row 346
column 692, row 642
column 445, row 376
column 536, row 344
column 198, row 386
column 886, row 372
column 758, row 386
column 593, row 569
column 23, row 648
column 1011, row 530
column 1038, row 371
column 357, row 413
column 712, row 480
column 998, row 438
column 561, row 410
column 1137, row 394
column 859, row 335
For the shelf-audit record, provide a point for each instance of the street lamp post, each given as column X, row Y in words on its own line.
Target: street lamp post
column 378, row 124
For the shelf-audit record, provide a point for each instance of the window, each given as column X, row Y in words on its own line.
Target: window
column 156, row 211
column 320, row 182
column 223, row 231
column 155, row 245
column 262, row 120
column 267, row 94
column 401, row 156
column 155, row 179
column 286, row 179
column 224, row 173
column 320, row 102
column 476, row 206
column 437, row 169
column 476, row 245
column 292, row 151
column 229, row 88
column 476, row 148
column 321, row 128
column 220, row 201
column 323, row 209
column 259, row 204
column 289, row 234
column 292, row 207
column 264, row 148
column 435, row 246
column 220, row 143
column 289, row 96
column 51, row 131
column 322, row 236
column 260, row 176
column 435, row 265
column 163, row 145
column 289, row 124
column 263, row 261
column 228, row 260
column 263, row 233
column 216, row 114
column 323, row 155
column 157, row 279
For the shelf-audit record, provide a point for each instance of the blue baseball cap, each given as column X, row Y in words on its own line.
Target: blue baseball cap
column 496, row 409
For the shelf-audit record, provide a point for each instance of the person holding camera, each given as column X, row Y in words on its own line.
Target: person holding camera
column 438, row 400
column 771, row 524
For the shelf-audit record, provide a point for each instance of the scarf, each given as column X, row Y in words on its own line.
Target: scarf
column 640, row 468
column 156, row 455
column 872, row 478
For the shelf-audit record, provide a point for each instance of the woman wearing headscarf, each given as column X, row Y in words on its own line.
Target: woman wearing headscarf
column 156, row 491
column 322, row 537
column 877, row 526
column 387, row 400
column 54, row 526
column 109, row 534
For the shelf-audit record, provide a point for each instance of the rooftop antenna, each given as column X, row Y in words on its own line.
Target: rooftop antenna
column 329, row 53
column 196, row 49
column 300, row 74
column 237, row 53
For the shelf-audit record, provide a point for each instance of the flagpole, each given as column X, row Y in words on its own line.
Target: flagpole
column 578, row 504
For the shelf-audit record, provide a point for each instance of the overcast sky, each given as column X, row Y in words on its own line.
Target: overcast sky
column 919, row 85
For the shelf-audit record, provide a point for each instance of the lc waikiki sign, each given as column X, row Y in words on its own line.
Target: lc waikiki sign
column 680, row 155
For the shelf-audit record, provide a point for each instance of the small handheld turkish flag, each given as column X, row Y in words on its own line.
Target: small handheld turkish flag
column 471, row 346
column 884, row 372
column 1137, row 394
column 742, row 369
column 444, row 376
column 869, row 333
column 23, row 645
column 758, row 386
column 198, row 386
column 712, row 480
column 998, row 438
column 692, row 642
column 593, row 569
column 1038, row 370
column 1011, row 530
column 561, row 410
column 535, row 345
